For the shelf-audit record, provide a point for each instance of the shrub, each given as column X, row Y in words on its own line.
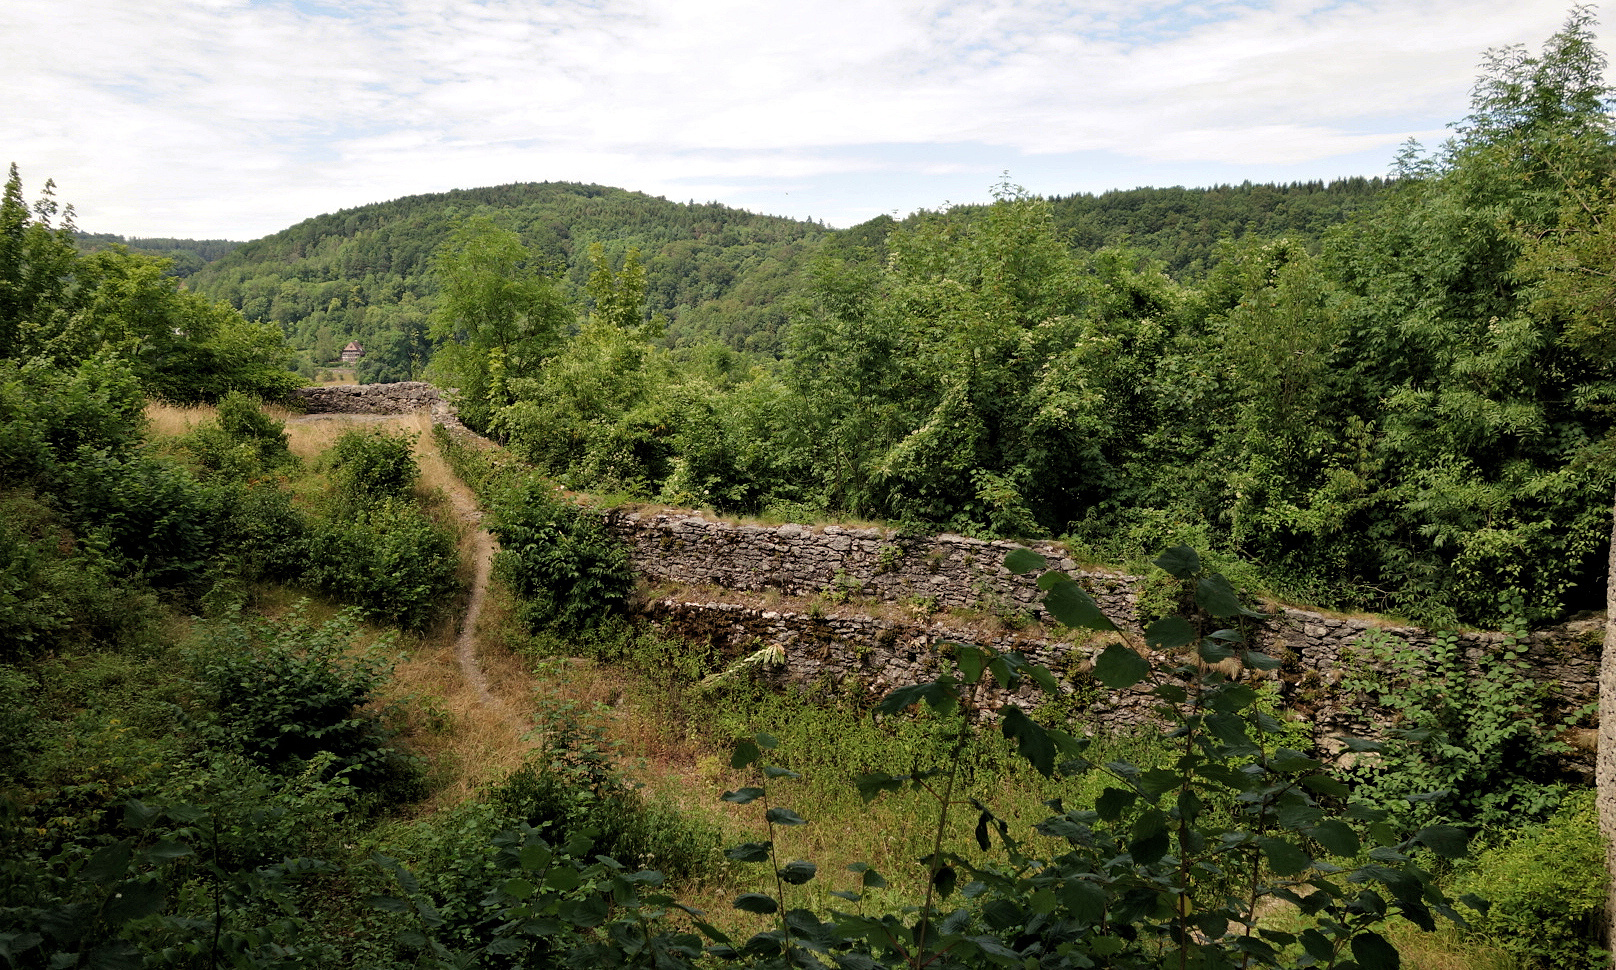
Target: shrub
column 1547, row 888
column 148, row 513
column 559, row 559
column 389, row 558
column 372, row 465
column 243, row 442
column 17, row 715
column 1473, row 734
column 290, row 691
column 572, row 788
column 264, row 535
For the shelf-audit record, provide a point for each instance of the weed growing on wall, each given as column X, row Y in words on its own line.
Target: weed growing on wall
column 1471, row 735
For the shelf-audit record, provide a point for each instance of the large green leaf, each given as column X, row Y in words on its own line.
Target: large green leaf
column 1170, row 633
column 1285, row 858
column 1214, row 594
column 756, row 903
column 1337, row 837
column 134, row 899
column 563, row 878
column 1084, row 900
column 1032, row 741
column 1181, row 562
column 1120, row 667
column 868, row 877
column 745, row 753
column 748, row 852
column 871, row 785
column 1023, row 561
column 1373, row 953
column 1071, row 605
column 941, row 696
column 1446, row 841
column 784, row 816
column 970, row 661
column 1113, row 802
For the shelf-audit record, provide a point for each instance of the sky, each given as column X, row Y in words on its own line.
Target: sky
column 234, row 119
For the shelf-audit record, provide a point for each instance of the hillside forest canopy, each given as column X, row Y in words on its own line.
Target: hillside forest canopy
column 1392, row 395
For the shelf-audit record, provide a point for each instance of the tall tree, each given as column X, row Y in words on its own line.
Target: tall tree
column 498, row 313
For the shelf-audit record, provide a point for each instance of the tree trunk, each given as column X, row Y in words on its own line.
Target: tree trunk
column 1606, row 758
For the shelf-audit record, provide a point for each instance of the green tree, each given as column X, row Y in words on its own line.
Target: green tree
column 499, row 314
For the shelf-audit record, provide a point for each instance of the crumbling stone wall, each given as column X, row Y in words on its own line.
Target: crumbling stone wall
column 941, row 571
column 849, row 566
column 405, row 397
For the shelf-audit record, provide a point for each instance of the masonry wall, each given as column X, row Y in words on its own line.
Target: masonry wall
column 852, row 569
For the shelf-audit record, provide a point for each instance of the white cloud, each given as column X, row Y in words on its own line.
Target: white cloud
column 237, row 118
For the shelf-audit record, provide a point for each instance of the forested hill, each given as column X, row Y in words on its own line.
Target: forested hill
column 1182, row 227
column 186, row 256
column 717, row 273
column 367, row 273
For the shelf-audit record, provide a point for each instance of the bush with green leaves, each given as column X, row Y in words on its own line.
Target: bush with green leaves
column 243, row 442
column 293, row 691
column 147, row 513
column 1470, row 735
column 264, row 533
column 369, row 466
column 152, row 891
column 546, row 833
column 17, row 713
column 29, row 614
column 573, row 785
column 559, row 558
column 1546, row 886
column 389, row 558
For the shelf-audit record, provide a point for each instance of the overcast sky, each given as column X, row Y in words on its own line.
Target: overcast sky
column 237, row 118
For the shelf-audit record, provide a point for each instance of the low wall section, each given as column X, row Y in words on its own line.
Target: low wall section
column 851, row 569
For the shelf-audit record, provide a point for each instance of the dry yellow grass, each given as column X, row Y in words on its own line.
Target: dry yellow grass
column 468, row 743
column 311, row 434
column 173, row 420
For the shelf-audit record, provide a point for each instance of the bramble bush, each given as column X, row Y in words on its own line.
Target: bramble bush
column 290, row 692
column 569, row 572
column 369, row 467
column 389, row 558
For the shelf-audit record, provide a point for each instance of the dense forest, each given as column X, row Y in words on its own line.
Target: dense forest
column 225, row 733
column 184, row 256
column 717, row 275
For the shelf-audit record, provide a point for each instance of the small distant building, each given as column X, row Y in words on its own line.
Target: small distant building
column 352, row 352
